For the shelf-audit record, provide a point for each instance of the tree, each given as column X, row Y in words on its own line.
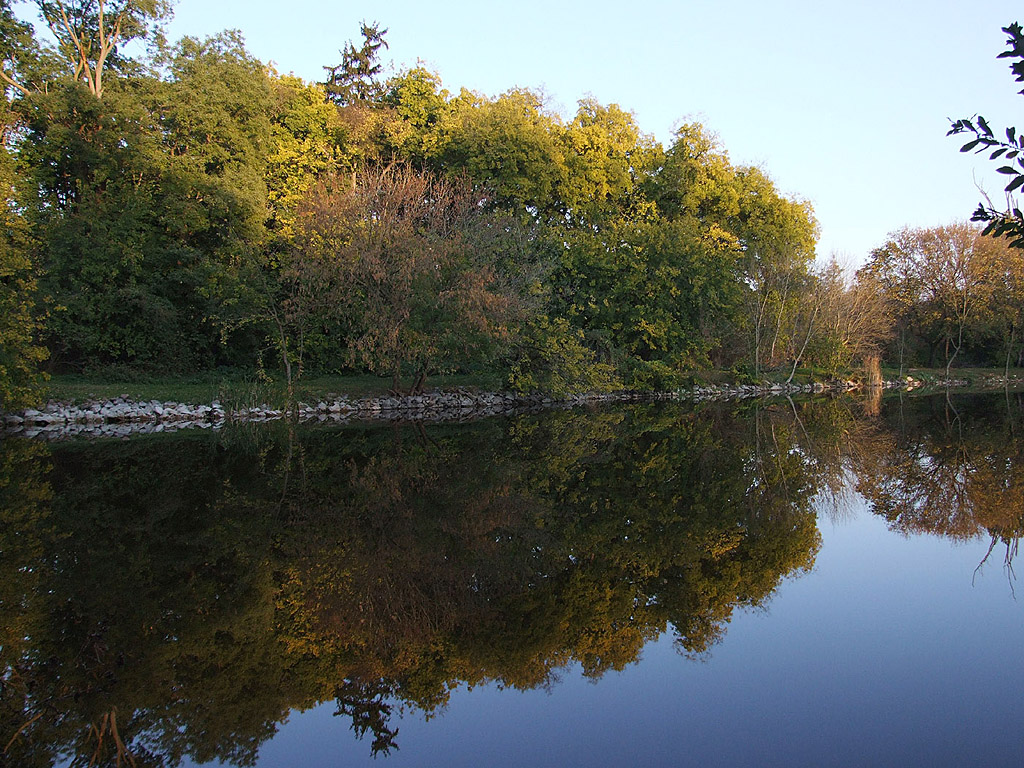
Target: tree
column 419, row 105
column 431, row 278
column 355, row 78
column 606, row 157
column 944, row 282
column 19, row 54
column 144, row 204
column 305, row 145
column 20, row 353
column 507, row 145
column 853, row 321
column 777, row 236
column 89, row 33
column 890, row 269
column 1007, row 223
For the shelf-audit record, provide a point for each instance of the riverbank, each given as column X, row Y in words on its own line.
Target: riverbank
column 124, row 415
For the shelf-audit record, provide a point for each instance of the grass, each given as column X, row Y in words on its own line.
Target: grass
column 239, row 388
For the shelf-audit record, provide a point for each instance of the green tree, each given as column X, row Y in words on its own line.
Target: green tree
column 420, row 106
column 21, row 59
column 306, row 143
column 145, row 202
column 508, row 146
column 606, row 157
column 777, row 237
column 356, row 77
column 20, row 352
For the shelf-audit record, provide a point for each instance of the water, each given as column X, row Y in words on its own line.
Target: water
column 791, row 584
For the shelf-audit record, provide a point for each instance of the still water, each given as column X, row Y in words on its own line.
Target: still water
column 817, row 583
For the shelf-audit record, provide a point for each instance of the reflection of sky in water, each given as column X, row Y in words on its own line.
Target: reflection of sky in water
column 886, row 654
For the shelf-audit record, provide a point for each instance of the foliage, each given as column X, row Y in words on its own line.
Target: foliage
column 422, row 276
column 508, row 145
column 551, row 356
column 305, row 145
column 606, row 157
column 948, row 287
column 143, row 203
column 852, row 323
column 777, row 237
column 419, row 106
column 173, row 215
column 1000, row 223
column 20, row 353
column 90, row 34
column 20, row 56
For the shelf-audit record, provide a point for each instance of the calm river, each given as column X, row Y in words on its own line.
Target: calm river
column 776, row 583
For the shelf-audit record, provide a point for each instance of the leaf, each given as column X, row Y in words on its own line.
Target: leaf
column 970, row 145
column 1015, row 184
column 998, row 153
column 983, row 124
column 1007, row 169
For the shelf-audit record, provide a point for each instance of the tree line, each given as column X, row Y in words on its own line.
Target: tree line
column 181, row 207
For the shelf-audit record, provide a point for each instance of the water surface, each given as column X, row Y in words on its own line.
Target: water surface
column 816, row 583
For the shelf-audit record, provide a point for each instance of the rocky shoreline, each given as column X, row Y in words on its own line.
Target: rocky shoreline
column 123, row 417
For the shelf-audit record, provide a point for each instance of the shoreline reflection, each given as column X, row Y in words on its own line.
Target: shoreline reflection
column 174, row 597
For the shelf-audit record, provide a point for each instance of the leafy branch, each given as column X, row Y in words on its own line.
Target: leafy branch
column 1010, row 222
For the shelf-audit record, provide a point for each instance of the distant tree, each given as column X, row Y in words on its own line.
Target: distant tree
column 947, row 276
column 890, row 269
column 356, row 77
column 853, row 321
column 1007, row 223
column 1006, row 313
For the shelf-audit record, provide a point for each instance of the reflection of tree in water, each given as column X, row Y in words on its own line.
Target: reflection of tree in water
column 179, row 596
column 952, row 467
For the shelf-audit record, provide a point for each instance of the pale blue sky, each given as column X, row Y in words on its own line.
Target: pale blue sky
column 844, row 104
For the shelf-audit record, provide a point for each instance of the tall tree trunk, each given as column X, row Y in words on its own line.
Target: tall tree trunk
column 956, row 348
column 421, row 379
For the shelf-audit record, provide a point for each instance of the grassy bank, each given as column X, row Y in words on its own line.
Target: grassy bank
column 235, row 388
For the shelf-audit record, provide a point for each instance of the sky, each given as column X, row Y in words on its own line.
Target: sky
column 845, row 105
